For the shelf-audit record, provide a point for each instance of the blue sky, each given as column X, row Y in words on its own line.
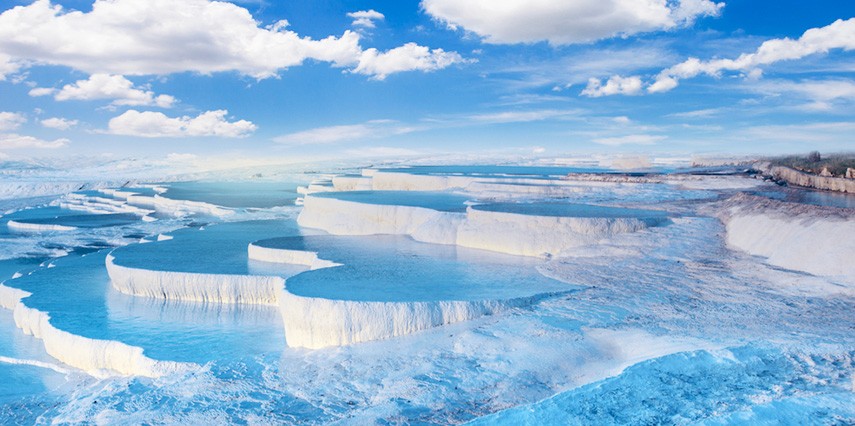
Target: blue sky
column 261, row 79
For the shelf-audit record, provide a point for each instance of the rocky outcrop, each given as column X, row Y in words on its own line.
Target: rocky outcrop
column 795, row 177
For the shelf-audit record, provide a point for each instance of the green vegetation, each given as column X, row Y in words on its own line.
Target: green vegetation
column 815, row 163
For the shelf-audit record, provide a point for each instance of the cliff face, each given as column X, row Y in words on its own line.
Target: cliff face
column 802, row 237
column 795, row 177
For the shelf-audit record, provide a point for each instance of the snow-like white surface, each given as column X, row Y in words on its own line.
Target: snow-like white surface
column 212, row 288
column 351, row 183
column 518, row 234
column 318, row 187
column 539, row 236
column 717, row 182
column 312, row 322
column 817, row 245
column 341, row 217
column 397, row 181
column 38, row 227
column 294, row 257
column 99, row 205
column 177, row 208
column 515, row 190
column 97, row 357
column 26, row 189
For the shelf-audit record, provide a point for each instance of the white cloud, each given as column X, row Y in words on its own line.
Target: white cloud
column 155, row 124
column 838, row 35
column 11, row 121
column 630, row 140
column 42, row 91
column 13, row 141
column 344, row 133
column 59, row 123
column 365, row 18
column 7, row 66
column 615, row 85
column 158, row 37
column 105, row 86
column 698, row 113
column 409, row 57
column 522, row 116
column 567, row 21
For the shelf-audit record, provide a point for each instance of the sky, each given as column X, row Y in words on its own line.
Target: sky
column 262, row 79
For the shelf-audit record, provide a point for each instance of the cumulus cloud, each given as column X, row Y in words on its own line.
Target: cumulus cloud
column 409, row 57
column 7, row 66
column 105, row 86
column 568, row 21
column 158, row 37
column 640, row 139
column 11, row 121
column 373, row 129
column 838, row 35
column 14, row 141
column 152, row 124
column 59, row 123
column 365, row 18
column 615, row 85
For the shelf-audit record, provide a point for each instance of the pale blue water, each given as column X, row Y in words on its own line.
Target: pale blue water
column 442, row 201
column 808, row 196
column 570, row 210
column 510, row 171
column 235, row 194
column 790, row 360
column 214, row 249
column 831, row 199
column 86, row 220
column 80, row 300
column 397, row 268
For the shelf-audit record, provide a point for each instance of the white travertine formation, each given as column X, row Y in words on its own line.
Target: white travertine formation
column 38, row 227
column 312, row 322
column 293, row 257
column 511, row 233
column 197, row 287
column 817, row 245
column 177, row 207
column 95, row 356
column 351, row 183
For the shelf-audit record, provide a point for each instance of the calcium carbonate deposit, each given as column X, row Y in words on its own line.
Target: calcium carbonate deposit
column 430, row 295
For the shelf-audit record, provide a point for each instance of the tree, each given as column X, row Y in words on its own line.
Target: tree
column 814, row 157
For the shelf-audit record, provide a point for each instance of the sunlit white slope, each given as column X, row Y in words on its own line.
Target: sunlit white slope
column 820, row 241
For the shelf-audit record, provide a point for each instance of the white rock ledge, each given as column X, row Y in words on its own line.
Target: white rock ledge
column 97, row 357
column 312, row 322
column 196, row 287
column 38, row 227
column 293, row 257
column 510, row 233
